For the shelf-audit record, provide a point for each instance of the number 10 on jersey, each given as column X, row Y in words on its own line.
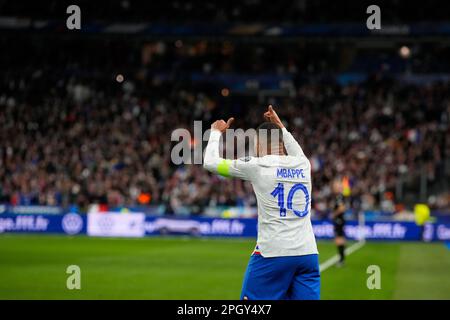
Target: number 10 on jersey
column 279, row 192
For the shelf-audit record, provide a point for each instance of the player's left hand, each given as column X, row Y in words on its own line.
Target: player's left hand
column 271, row 116
column 221, row 125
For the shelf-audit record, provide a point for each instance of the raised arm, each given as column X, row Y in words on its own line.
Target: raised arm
column 291, row 145
column 212, row 161
column 225, row 167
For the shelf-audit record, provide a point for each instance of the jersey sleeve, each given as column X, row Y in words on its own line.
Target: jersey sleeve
column 292, row 146
column 241, row 168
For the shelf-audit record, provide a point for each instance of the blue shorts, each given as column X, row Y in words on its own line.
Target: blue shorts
column 291, row 278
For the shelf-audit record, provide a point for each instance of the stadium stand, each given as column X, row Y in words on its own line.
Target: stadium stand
column 71, row 134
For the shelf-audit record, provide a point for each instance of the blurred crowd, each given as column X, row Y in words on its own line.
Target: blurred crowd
column 75, row 130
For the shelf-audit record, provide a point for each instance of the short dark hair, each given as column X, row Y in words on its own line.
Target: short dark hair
column 268, row 127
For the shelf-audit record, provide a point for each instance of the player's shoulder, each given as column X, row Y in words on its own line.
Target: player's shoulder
column 273, row 161
column 284, row 161
column 247, row 163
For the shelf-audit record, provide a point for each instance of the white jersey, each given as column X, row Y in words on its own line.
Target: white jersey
column 282, row 185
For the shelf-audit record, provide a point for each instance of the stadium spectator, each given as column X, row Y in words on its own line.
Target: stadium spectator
column 70, row 135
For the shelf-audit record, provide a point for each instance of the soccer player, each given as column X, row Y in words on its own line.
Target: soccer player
column 284, row 264
column 339, row 222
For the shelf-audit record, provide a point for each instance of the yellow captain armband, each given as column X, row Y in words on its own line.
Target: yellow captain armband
column 223, row 168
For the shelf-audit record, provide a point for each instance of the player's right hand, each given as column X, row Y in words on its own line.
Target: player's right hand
column 221, row 125
column 271, row 116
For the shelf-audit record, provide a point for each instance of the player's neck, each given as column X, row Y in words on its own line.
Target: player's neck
column 278, row 152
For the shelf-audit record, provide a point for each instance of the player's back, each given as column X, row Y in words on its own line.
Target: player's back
column 282, row 185
column 287, row 264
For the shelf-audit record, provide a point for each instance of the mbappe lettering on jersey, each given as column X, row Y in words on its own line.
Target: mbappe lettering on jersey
column 290, row 173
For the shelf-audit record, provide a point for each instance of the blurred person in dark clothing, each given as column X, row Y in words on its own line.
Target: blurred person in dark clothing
column 339, row 221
